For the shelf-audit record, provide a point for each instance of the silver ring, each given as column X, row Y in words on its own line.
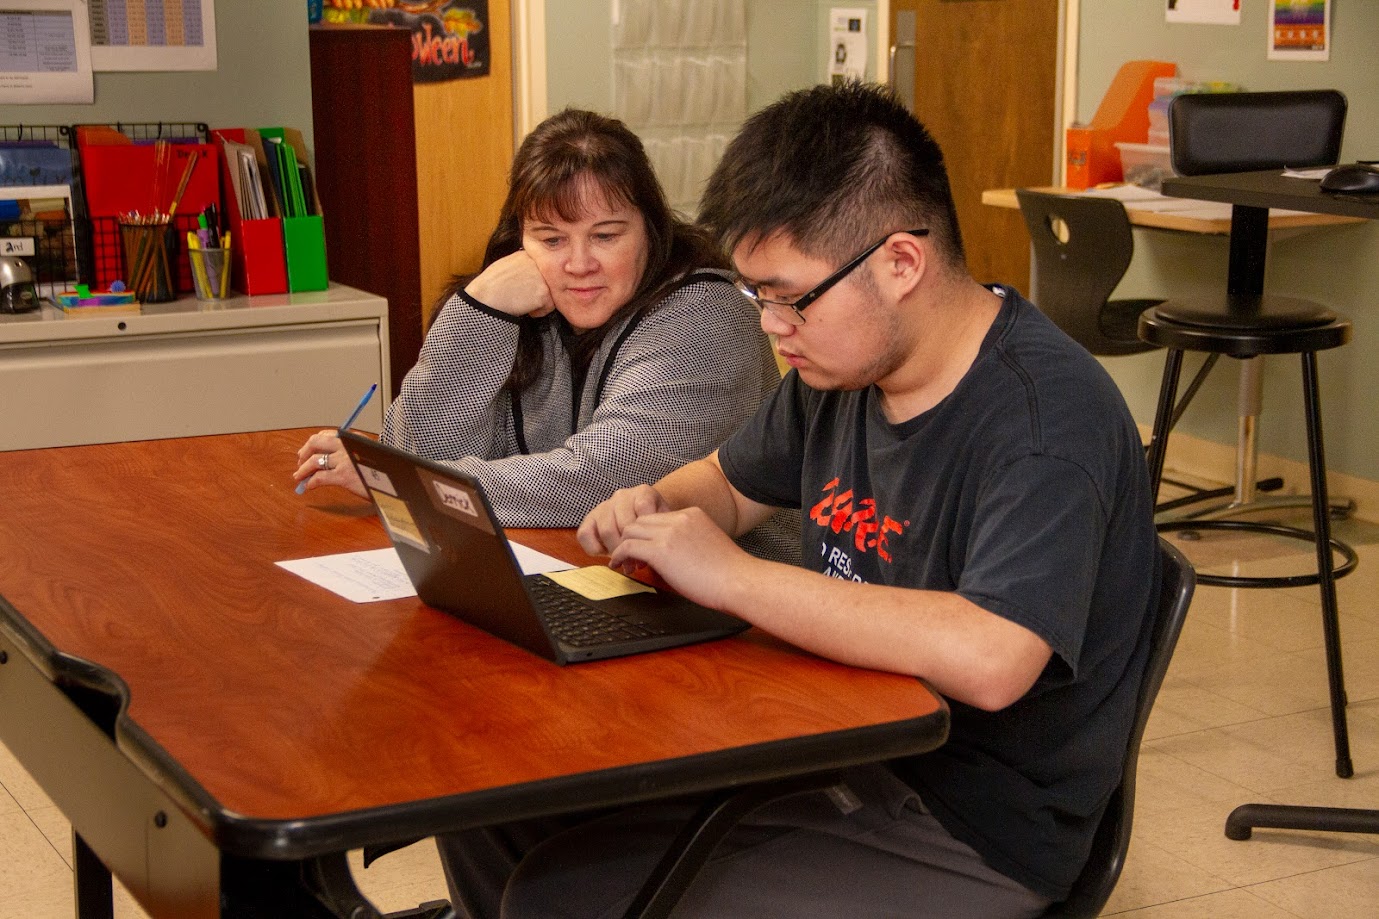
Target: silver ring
column 322, row 461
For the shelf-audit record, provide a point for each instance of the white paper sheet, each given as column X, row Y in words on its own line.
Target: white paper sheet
column 1137, row 198
column 46, row 52
column 1125, row 193
column 533, row 562
column 1317, row 173
column 847, row 43
column 377, row 574
column 360, row 577
column 1214, row 12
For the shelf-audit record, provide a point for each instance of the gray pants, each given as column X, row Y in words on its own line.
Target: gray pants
column 866, row 849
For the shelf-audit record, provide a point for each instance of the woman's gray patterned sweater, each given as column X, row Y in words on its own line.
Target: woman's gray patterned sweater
column 666, row 386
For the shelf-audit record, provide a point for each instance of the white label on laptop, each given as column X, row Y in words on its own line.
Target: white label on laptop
column 377, row 480
column 457, row 500
column 599, row 582
column 399, row 521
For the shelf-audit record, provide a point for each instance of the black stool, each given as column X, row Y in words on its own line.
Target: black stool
column 1240, row 132
column 1253, row 327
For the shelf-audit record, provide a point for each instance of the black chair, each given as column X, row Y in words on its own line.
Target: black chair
column 1099, row 876
column 1082, row 247
column 688, row 854
column 1236, row 132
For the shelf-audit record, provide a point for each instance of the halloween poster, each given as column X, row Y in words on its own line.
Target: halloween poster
column 449, row 37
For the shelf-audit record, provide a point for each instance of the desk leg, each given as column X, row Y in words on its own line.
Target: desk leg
column 314, row 888
column 92, row 882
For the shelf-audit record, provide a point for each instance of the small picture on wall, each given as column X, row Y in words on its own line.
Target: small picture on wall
column 1211, row 12
column 1299, row 30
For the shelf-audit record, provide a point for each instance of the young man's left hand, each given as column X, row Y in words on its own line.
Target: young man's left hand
column 685, row 547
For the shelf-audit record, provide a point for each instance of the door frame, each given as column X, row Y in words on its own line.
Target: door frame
column 529, row 100
column 1070, row 27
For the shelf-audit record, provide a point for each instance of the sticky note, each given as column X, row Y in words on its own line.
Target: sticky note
column 399, row 520
column 598, row 582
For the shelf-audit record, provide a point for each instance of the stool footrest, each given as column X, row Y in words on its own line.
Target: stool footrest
column 1348, row 555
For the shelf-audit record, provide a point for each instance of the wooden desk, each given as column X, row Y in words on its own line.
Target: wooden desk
column 1168, row 220
column 215, row 726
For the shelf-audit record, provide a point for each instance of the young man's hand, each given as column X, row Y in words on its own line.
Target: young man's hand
column 689, row 550
column 686, row 547
column 602, row 530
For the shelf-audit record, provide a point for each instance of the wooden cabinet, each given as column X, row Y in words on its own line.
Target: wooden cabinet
column 411, row 178
column 186, row 368
column 366, row 173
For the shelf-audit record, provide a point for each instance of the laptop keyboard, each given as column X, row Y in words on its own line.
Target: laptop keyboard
column 576, row 623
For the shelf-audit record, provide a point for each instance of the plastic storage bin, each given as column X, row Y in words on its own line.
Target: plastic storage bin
column 1158, row 121
column 1144, row 164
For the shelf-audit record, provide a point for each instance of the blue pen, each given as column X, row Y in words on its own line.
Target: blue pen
column 354, row 415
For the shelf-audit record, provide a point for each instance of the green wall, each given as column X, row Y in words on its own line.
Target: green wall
column 1337, row 266
column 264, row 78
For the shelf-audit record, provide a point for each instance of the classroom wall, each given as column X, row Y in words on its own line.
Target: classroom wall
column 264, row 78
column 1337, row 266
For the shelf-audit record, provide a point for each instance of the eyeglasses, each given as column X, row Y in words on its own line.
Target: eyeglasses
column 793, row 311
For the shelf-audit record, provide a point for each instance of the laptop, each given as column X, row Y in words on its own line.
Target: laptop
column 458, row 558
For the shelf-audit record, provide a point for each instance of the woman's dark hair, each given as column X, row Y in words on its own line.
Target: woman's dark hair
column 548, row 178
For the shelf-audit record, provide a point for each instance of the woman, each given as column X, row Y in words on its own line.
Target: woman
column 601, row 346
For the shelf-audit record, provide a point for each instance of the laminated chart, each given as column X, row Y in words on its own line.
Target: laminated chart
column 44, row 53
column 152, row 34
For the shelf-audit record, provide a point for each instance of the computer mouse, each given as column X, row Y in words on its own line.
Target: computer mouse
column 1353, row 178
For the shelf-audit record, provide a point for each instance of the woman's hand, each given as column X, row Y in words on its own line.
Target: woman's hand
column 323, row 461
column 514, row 286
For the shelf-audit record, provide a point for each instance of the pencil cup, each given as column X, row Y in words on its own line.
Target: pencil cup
column 150, row 257
column 210, row 272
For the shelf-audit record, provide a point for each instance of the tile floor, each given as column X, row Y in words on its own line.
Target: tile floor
column 1242, row 717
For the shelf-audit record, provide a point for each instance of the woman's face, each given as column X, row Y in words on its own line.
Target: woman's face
column 592, row 265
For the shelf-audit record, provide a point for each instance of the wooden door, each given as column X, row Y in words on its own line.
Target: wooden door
column 985, row 86
column 464, row 133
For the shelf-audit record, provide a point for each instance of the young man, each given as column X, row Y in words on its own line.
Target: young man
column 976, row 512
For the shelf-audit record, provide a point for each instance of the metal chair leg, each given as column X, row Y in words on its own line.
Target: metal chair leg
column 1242, row 821
column 1163, row 418
column 691, row 849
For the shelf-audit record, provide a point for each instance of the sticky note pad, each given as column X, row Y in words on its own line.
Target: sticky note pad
column 598, row 582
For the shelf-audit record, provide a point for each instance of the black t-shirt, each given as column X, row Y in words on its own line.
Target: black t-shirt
column 1026, row 492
